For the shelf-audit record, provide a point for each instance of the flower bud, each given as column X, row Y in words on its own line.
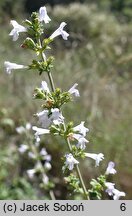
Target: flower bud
column 29, row 43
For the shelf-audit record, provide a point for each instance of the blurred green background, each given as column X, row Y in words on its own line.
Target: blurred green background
column 98, row 56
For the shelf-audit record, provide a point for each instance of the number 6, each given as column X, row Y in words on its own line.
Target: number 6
column 123, row 207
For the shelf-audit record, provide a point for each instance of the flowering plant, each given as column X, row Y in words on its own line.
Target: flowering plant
column 51, row 118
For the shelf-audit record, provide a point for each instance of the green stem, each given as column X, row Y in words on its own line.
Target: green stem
column 67, row 141
column 49, row 73
column 82, row 182
column 52, row 195
column 51, row 81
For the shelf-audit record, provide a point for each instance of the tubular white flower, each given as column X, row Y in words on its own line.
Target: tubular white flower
column 70, row 161
column 81, row 141
column 118, row 194
column 12, row 66
column 23, row 148
column 97, row 157
column 74, row 91
column 81, row 129
column 60, row 31
column 56, row 116
column 110, row 188
column 31, row 173
column 44, row 119
column 43, row 16
column 40, row 131
column 44, row 86
column 110, row 169
column 16, row 30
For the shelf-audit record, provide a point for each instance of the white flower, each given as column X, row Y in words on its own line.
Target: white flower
column 47, row 157
column 12, row 66
column 97, row 157
column 38, row 166
column 45, row 179
column 31, row 155
column 117, row 194
column 37, row 141
column 70, row 161
column 20, row 130
column 47, row 166
column 44, row 86
column 31, row 173
column 110, row 188
column 28, row 126
column 16, row 30
column 23, row 148
column 81, row 141
column 74, row 91
column 44, row 119
column 43, row 16
column 110, row 169
column 81, row 129
column 56, row 116
column 43, row 152
column 40, row 131
column 60, row 31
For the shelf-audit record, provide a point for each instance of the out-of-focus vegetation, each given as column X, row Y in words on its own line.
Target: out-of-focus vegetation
column 98, row 57
column 121, row 8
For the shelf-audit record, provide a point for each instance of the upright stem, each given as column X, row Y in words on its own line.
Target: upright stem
column 82, row 182
column 49, row 73
column 52, row 195
column 51, row 81
column 67, row 141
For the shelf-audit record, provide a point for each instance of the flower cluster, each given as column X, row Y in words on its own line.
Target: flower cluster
column 42, row 165
column 51, row 118
column 29, row 43
column 102, row 184
column 38, row 155
column 110, row 186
